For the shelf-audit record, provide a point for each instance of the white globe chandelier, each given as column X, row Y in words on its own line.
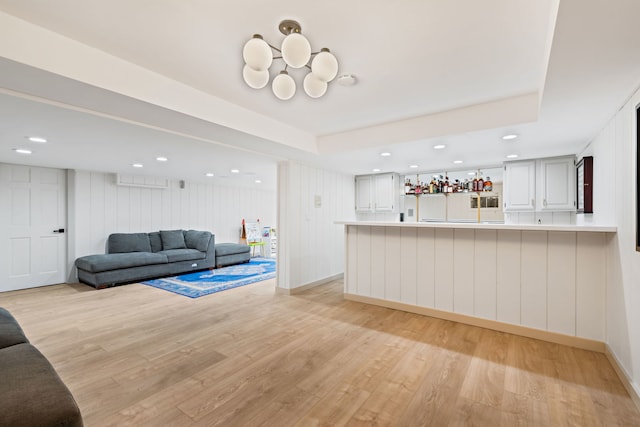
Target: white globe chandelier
column 296, row 52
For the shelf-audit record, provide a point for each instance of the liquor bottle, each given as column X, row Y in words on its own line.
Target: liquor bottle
column 480, row 184
column 407, row 186
column 475, row 183
column 488, row 185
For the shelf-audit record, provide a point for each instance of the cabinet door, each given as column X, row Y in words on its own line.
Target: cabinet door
column 557, row 184
column 385, row 193
column 364, row 194
column 520, row 186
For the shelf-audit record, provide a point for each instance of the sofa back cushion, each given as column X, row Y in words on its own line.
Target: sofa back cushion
column 156, row 241
column 197, row 240
column 119, row 243
column 172, row 239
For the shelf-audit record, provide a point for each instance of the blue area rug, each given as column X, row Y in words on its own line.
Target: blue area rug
column 194, row 285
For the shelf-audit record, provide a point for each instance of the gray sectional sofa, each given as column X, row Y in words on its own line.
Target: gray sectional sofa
column 132, row 257
column 31, row 392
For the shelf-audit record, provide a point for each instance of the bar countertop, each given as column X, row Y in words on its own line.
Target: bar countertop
column 487, row 226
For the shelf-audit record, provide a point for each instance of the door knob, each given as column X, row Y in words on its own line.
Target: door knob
column 59, row 230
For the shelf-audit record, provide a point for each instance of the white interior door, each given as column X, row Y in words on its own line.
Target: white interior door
column 32, row 227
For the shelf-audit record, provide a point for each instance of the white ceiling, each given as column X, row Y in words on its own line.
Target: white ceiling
column 462, row 73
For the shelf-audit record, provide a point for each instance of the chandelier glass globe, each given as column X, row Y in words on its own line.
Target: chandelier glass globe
column 283, row 86
column 257, row 53
column 313, row 86
column 296, row 50
column 325, row 65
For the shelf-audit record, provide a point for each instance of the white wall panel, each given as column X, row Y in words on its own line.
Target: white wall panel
column 462, row 263
column 508, row 274
column 363, row 284
column 533, row 280
column 444, row 269
column 82, row 211
column 590, row 285
column 485, row 274
column 409, row 266
column 561, row 282
column 377, row 262
column 392, row 272
column 351, row 272
column 313, row 242
column 426, row 267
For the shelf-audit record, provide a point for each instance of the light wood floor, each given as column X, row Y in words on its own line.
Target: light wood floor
column 136, row 355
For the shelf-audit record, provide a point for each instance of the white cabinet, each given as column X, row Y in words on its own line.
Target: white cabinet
column 557, row 190
column 377, row 193
column 540, row 185
column 364, row 193
column 519, row 186
column 386, row 192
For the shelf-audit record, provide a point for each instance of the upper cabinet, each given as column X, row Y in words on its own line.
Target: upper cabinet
column 519, row 190
column 386, row 192
column 377, row 193
column 557, row 184
column 540, row 185
column 364, row 193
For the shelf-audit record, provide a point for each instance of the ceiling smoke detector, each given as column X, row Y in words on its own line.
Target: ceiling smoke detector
column 346, row 80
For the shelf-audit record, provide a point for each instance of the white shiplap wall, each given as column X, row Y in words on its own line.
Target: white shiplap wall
column 311, row 245
column 614, row 195
column 548, row 280
column 98, row 207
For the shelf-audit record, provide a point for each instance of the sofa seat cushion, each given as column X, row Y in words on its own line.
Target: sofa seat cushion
column 107, row 262
column 223, row 249
column 32, row 392
column 176, row 255
column 10, row 331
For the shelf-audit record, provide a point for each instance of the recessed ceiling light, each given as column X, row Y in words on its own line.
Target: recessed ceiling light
column 376, row 170
column 161, row 159
column 385, row 154
column 457, row 162
column 439, row 147
column 209, row 174
column 471, row 173
column 512, row 156
column 137, row 165
column 235, row 171
column 413, row 166
column 258, row 181
column 36, row 139
column 510, row 136
column 22, row 151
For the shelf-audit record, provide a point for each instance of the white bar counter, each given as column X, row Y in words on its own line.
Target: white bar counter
column 542, row 281
column 487, row 226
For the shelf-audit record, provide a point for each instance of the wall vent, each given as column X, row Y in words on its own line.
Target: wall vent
column 128, row 180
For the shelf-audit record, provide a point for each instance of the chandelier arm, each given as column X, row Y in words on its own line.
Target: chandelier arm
column 273, row 47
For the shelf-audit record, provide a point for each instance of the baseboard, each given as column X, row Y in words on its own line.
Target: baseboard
column 624, row 377
column 308, row 286
column 554, row 337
